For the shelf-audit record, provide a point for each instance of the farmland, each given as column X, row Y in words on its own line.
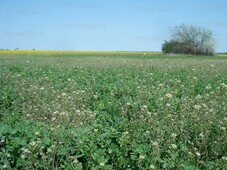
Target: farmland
column 112, row 110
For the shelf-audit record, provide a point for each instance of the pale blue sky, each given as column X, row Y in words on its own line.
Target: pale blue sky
column 130, row 25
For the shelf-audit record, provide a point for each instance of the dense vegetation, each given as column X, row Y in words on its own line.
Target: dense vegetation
column 189, row 39
column 75, row 110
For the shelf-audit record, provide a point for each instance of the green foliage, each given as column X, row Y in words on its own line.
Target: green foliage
column 188, row 39
column 112, row 113
column 173, row 47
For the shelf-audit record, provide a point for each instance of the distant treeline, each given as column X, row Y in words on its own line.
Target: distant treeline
column 14, row 49
column 10, row 49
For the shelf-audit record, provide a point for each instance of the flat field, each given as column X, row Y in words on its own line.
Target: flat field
column 112, row 110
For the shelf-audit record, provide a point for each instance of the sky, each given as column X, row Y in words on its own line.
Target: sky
column 105, row 25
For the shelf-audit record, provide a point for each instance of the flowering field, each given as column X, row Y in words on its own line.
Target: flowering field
column 112, row 110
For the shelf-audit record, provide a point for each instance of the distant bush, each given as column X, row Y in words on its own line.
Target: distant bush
column 174, row 47
column 187, row 39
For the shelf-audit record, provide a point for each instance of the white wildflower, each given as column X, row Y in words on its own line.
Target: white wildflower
column 110, row 151
column 141, row 157
column 102, row 164
column 198, row 154
column 37, row 133
column 145, row 107
column 62, row 113
column 168, row 95
column 155, row 144
column 152, row 167
column 173, row 135
column 173, row 146
column 63, row 94
column 33, row 143
column 23, row 156
column 201, row 135
column 75, row 161
column 126, row 133
column 49, row 150
column 224, row 158
column 197, row 107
